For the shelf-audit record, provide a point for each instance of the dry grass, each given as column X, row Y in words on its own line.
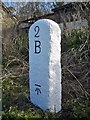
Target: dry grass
column 75, row 82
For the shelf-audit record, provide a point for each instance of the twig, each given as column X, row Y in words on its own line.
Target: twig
column 81, row 86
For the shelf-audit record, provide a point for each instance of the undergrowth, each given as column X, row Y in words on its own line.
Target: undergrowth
column 75, row 81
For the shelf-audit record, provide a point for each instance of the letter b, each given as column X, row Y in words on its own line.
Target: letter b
column 37, row 47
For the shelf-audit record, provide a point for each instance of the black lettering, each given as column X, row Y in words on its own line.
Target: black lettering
column 37, row 31
column 37, row 90
column 37, row 85
column 37, row 47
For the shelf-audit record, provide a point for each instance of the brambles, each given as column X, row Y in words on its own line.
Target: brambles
column 75, row 81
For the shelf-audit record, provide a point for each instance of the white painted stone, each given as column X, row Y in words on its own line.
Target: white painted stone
column 45, row 65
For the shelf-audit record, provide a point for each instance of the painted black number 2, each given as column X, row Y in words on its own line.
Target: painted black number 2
column 37, row 31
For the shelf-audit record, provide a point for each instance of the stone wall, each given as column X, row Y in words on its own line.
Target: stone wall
column 74, row 25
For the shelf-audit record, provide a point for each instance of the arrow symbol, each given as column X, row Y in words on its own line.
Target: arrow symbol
column 38, row 89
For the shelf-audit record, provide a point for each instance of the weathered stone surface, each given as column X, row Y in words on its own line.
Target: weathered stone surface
column 45, row 64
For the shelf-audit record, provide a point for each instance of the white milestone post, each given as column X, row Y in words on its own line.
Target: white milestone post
column 45, row 65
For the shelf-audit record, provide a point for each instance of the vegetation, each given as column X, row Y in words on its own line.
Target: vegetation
column 75, row 81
